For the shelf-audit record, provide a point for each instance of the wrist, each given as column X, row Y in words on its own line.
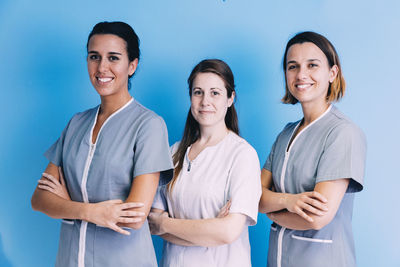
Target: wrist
column 283, row 200
column 165, row 223
column 84, row 213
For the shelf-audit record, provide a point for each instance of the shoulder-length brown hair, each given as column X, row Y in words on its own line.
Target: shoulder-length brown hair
column 337, row 87
column 192, row 130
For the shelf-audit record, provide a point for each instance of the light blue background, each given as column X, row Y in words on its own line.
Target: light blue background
column 44, row 82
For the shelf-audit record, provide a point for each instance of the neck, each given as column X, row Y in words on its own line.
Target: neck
column 110, row 104
column 213, row 134
column 312, row 111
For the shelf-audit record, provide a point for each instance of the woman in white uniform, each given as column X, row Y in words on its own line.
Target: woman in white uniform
column 112, row 156
column 315, row 166
column 203, row 214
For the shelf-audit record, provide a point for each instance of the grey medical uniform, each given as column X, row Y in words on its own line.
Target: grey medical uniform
column 332, row 147
column 131, row 142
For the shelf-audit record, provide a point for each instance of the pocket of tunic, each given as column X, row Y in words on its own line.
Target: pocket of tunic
column 273, row 245
column 71, row 222
column 316, row 240
column 310, row 250
column 65, row 252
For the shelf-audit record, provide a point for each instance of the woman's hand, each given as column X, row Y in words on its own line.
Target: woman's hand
column 111, row 212
column 156, row 220
column 51, row 184
column 225, row 210
column 312, row 202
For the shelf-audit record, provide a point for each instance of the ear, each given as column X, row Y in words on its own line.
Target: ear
column 333, row 73
column 231, row 99
column 132, row 66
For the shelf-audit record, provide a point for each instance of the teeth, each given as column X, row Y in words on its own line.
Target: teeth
column 302, row 86
column 104, row 80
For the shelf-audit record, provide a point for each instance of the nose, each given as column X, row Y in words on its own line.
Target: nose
column 301, row 73
column 205, row 100
column 103, row 65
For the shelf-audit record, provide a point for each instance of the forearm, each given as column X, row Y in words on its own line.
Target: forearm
column 207, row 232
column 143, row 190
column 294, row 221
column 57, row 207
column 176, row 240
column 271, row 201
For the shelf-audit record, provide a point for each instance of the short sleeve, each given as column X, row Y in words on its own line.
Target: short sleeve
column 54, row 153
column 160, row 200
column 268, row 163
column 152, row 152
column 245, row 184
column 344, row 156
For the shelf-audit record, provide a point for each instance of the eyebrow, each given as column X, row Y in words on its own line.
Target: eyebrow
column 212, row 88
column 309, row 60
column 110, row 53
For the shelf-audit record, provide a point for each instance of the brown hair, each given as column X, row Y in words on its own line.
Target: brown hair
column 192, row 129
column 337, row 87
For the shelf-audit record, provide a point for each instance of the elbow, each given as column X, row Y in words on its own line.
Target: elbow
column 320, row 222
column 229, row 235
column 34, row 203
column 229, row 239
column 262, row 208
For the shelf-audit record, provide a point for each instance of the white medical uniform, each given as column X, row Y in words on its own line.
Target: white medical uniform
column 229, row 170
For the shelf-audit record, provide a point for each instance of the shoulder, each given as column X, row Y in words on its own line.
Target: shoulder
column 84, row 116
column 340, row 124
column 239, row 146
column 144, row 116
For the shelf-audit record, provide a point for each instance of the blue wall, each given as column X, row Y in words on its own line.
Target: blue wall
column 44, row 82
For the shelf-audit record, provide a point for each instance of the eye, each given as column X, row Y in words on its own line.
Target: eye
column 313, row 65
column 291, row 67
column 94, row 57
column 196, row 92
column 113, row 58
column 215, row 93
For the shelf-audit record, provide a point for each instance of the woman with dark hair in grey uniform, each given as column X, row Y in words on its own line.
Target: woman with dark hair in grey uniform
column 111, row 156
column 315, row 166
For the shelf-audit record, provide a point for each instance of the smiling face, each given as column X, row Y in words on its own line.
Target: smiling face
column 108, row 64
column 209, row 100
column 308, row 73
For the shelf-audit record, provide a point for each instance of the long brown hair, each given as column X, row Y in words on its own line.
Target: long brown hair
column 192, row 129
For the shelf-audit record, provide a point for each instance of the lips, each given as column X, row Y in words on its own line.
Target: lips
column 104, row 79
column 206, row 111
column 303, row 86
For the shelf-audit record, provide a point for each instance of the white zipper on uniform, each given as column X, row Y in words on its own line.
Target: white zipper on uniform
column 282, row 230
column 282, row 181
column 92, row 149
column 82, row 232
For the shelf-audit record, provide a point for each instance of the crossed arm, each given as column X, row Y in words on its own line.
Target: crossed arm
column 304, row 211
column 51, row 197
column 224, row 229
